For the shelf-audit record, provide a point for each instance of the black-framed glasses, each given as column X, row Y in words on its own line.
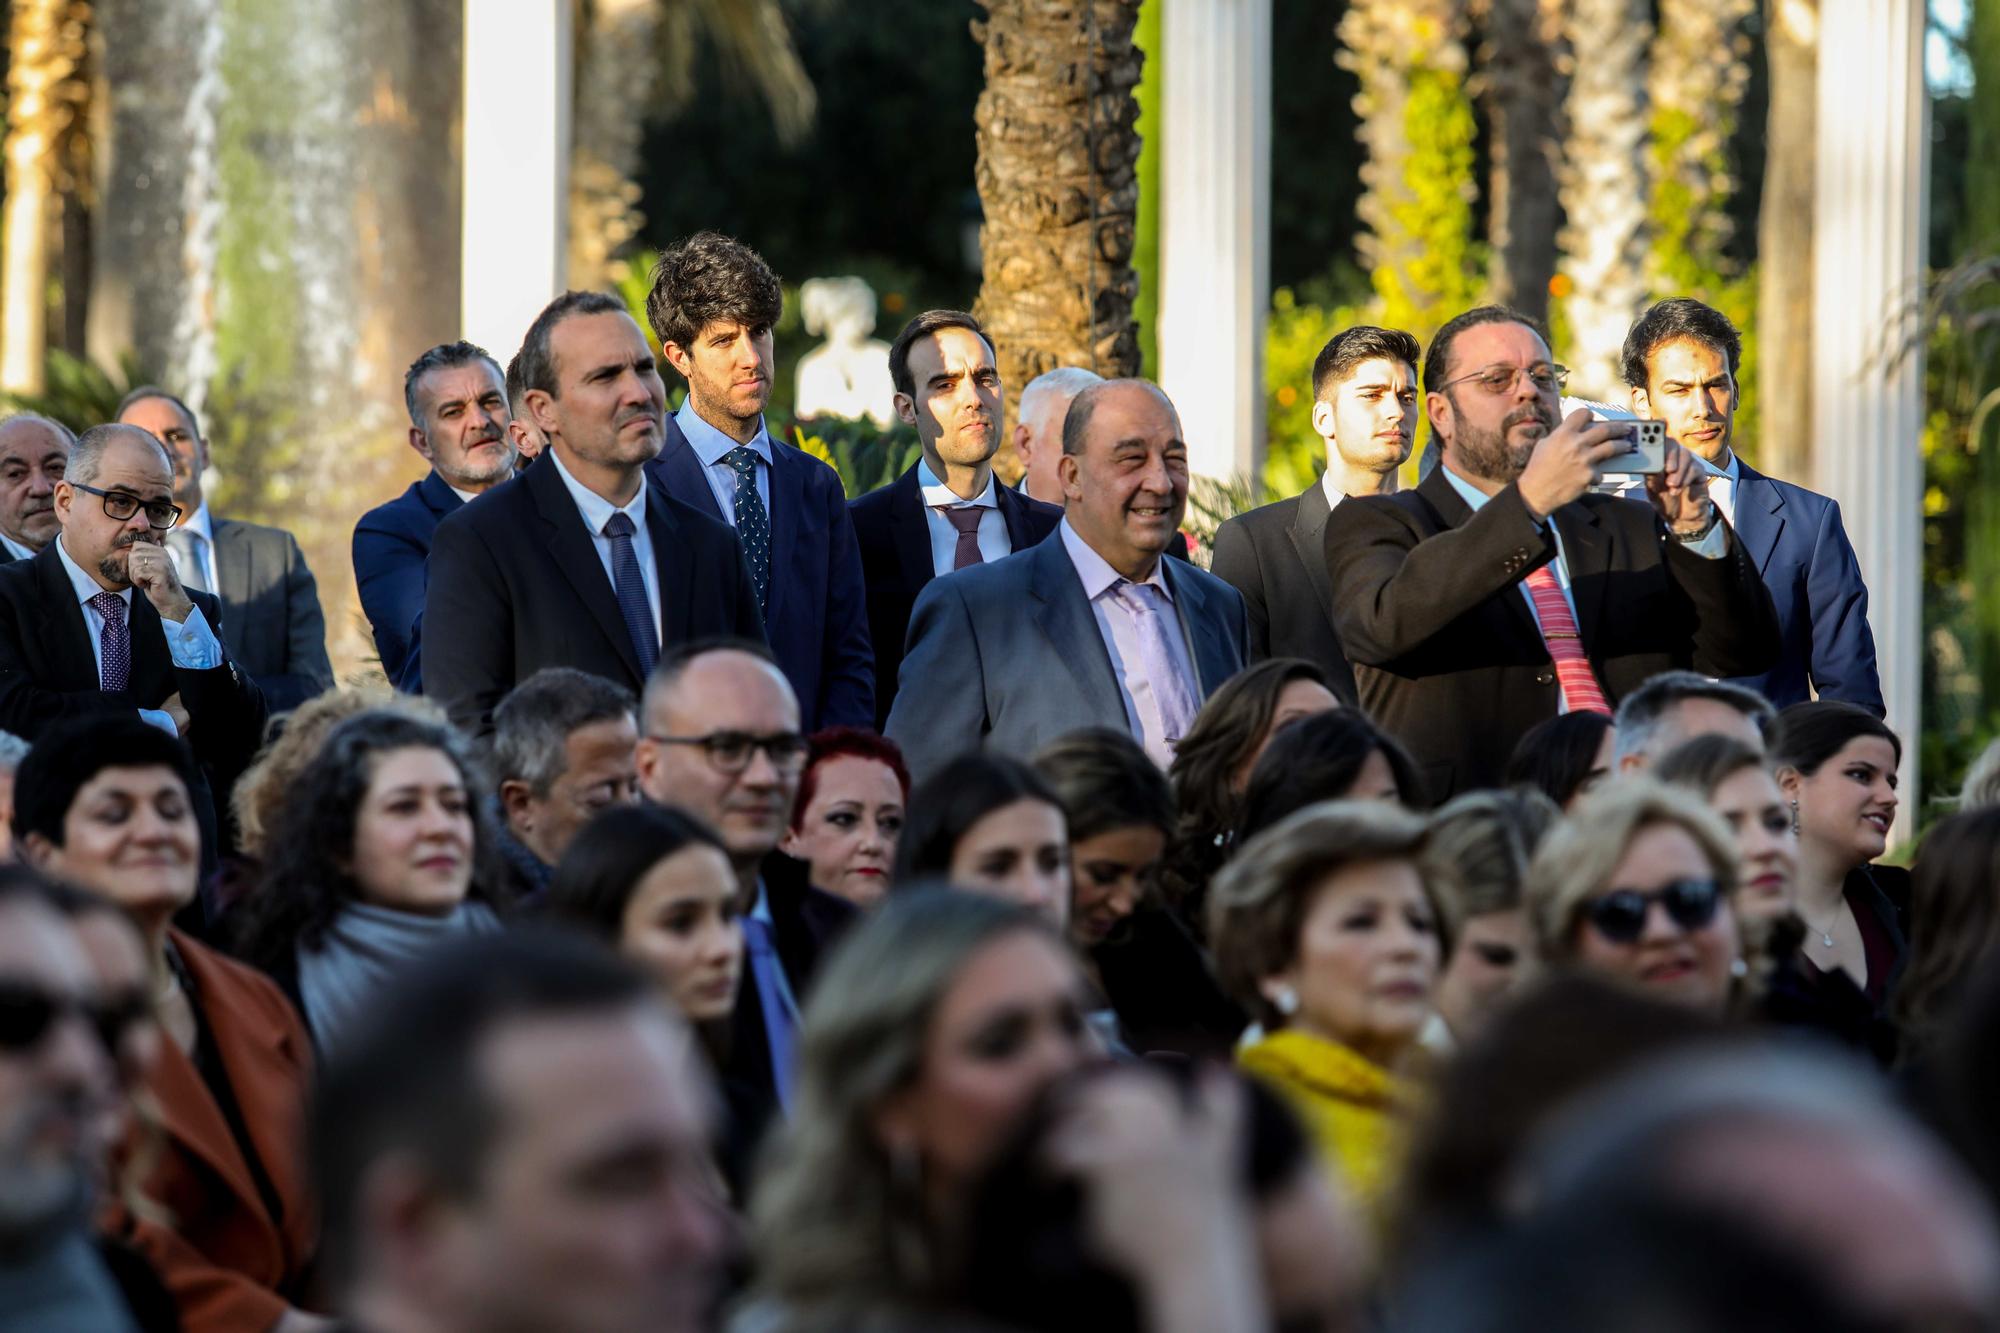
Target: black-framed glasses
column 121, row 505
column 1620, row 915
column 1547, row 378
column 731, row 751
column 28, row 1014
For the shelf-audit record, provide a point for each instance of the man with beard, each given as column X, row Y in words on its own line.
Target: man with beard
column 270, row 603
column 578, row 562
column 456, row 396
column 947, row 512
column 33, row 453
column 1501, row 591
column 713, row 304
column 1365, row 408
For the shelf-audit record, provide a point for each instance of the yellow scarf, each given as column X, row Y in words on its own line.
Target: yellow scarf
column 1354, row 1109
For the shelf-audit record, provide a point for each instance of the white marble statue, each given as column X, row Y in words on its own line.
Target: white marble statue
column 848, row 374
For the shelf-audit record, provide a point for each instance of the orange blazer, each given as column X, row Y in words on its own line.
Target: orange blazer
column 232, row 1267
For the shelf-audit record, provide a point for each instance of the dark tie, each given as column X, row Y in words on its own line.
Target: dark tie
column 964, row 518
column 631, row 588
column 114, row 643
column 753, row 525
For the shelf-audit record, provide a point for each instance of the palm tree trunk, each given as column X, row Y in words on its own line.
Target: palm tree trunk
column 1523, row 78
column 1057, row 177
column 616, row 71
column 1784, row 247
column 1696, row 80
column 47, row 94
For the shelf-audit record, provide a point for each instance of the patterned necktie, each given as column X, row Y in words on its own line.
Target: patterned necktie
column 114, row 643
column 753, row 525
column 186, row 545
column 1157, row 659
column 630, row 586
column 1565, row 643
column 965, row 520
column 780, row 1023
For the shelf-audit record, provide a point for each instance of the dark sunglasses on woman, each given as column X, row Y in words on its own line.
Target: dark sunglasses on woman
column 1620, row 915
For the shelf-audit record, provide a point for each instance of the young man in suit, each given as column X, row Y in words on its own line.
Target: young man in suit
column 713, row 304
column 1365, row 408
column 578, row 562
column 1680, row 364
column 1500, row 591
column 270, row 603
column 947, row 512
column 1092, row 628
column 33, row 453
column 457, row 400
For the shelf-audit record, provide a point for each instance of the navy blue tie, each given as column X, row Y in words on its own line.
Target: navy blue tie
column 753, row 525
column 631, row 588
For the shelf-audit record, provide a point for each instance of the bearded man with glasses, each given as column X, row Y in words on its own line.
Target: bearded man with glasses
column 1502, row 591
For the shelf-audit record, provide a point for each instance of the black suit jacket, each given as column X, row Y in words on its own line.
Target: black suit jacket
column 895, row 542
column 275, row 631
column 1275, row 555
column 515, row 585
column 1448, row 658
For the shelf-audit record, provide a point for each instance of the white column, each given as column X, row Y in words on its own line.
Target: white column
column 1868, row 234
column 1215, row 227
column 515, row 203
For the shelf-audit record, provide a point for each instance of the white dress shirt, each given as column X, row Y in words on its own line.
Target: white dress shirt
column 191, row 644
column 1121, row 641
column 710, row 445
column 597, row 511
column 15, row 549
column 993, row 539
column 202, row 528
column 1334, row 495
column 1722, row 483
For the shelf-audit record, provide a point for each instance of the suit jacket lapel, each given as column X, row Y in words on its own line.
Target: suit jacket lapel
column 1308, row 533
column 788, row 498
column 1063, row 614
column 1213, row 663
column 672, row 562
column 1759, row 518
column 441, row 498
column 234, row 558
column 76, row 656
column 575, row 554
column 1453, row 512
column 685, row 475
column 1587, row 547
column 911, row 532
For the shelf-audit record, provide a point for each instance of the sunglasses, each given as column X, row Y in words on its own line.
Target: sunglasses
column 28, row 1014
column 1620, row 915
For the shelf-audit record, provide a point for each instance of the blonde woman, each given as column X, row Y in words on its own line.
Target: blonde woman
column 1325, row 928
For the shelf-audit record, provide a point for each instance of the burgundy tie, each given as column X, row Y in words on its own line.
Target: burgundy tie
column 964, row 518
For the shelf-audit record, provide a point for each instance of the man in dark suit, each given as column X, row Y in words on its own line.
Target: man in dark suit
column 33, row 453
column 1680, row 364
column 1365, row 408
column 1092, row 627
column 713, row 304
column 1500, row 591
column 722, row 741
column 270, row 603
column 578, row 562
column 456, row 396
column 947, row 512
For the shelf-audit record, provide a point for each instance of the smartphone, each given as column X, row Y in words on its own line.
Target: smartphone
column 1647, row 452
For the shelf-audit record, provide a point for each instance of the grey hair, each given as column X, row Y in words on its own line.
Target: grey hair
column 88, row 452
column 12, row 751
column 534, row 722
column 442, row 357
column 1067, row 381
column 1640, row 713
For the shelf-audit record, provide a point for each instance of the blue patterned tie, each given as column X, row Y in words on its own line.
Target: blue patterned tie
column 631, row 589
column 114, row 643
column 780, row 1024
column 753, row 525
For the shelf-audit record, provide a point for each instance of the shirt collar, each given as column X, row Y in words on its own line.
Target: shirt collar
column 1334, row 495
column 1733, row 469
column 1471, row 494
column 467, row 496
column 83, row 584
column 199, row 522
column 710, row 444
column 597, row 510
column 1096, row 572
column 18, row 551
column 937, row 494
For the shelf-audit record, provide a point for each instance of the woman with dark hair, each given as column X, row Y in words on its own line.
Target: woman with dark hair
column 988, row 822
column 375, row 860
column 1954, row 925
column 1212, row 766
column 1338, row 756
column 854, row 796
column 1119, row 810
column 1564, row 756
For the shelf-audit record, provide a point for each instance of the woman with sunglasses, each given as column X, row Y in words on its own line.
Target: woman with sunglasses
column 102, row 802
column 1636, row 886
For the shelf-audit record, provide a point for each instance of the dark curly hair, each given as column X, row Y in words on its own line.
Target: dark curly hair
column 708, row 277
column 307, row 875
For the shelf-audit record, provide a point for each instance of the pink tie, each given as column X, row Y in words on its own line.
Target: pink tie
column 1579, row 684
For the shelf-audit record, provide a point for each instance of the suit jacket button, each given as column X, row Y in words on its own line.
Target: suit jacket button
column 1545, row 678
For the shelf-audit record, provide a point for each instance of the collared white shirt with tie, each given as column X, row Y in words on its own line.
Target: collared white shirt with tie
column 993, row 539
column 597, row 511
column 195, row 533
column 1120, row 634
column 1722, row 483
column 190, row 644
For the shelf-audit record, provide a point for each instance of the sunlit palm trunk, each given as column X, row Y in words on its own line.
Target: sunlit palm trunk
column 1784, row 247
column 1523, row 76
column 47, row 93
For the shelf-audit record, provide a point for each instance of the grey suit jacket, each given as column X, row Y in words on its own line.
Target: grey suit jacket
column 271, row 621
column 1007, row 656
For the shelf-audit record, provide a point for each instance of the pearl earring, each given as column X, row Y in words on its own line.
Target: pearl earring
column 1287, row 1001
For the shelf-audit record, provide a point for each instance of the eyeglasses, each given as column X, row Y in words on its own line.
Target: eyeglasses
column 28, row 1014
column 730, row 751
column 121, row 506
column 1620, row 915
column 1497, row 380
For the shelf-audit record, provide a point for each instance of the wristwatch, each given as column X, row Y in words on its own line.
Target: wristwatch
column 1700, row 534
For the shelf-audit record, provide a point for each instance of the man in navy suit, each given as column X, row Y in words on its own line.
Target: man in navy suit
column 1091, row 628
column 712, row 306
column 457, row 400
column 946, row 512
column 1680, row 362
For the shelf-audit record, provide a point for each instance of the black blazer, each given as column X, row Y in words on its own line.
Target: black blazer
column 1446, row 654
column 1275, row 555
column 515, row 585
column 895, row 542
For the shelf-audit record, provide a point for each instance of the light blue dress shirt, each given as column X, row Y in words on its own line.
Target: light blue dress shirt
column 710, row 444
column 597, row 511
column 191, row 644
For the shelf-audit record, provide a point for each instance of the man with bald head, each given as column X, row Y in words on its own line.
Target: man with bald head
column 1092, row 628
column 33, row 453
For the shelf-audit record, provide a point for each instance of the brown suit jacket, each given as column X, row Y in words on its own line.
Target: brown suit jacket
column 232, row 1267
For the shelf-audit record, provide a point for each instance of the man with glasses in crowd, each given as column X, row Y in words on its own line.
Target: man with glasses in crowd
column 1501, row 591
column 721, row 741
